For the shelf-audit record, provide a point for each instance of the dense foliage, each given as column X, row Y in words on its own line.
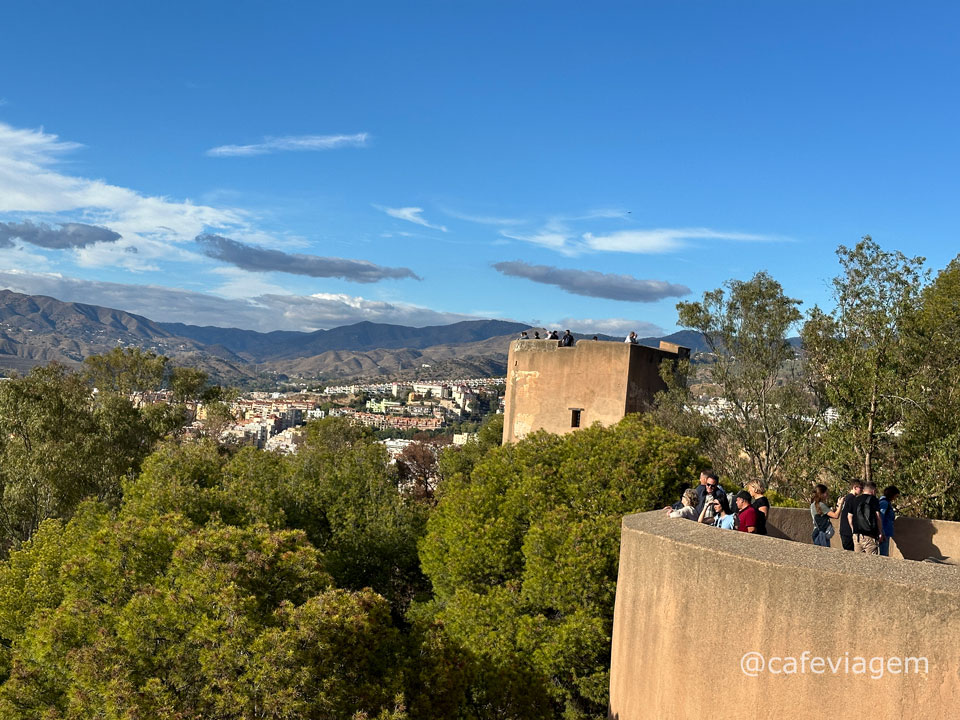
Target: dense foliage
column 238, row 585
column 147, row 574
column 219, row 583
column 522, row 551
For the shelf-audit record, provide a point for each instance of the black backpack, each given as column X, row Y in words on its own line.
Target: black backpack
column 865, row 519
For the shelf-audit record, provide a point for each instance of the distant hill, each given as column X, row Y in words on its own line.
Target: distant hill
column 36, row 329
column 362, row 336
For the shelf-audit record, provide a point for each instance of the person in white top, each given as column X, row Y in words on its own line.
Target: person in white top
column 688, row 508
column 631, row 338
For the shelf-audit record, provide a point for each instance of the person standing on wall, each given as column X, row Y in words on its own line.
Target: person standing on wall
column 846, row 532
column 864, row 518
column 887, row 514
column 631, row 338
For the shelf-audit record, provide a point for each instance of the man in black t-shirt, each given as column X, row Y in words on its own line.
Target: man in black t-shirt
column 846, row 533
column 864, row 517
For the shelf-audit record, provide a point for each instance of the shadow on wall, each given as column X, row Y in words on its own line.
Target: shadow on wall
column 914, row 538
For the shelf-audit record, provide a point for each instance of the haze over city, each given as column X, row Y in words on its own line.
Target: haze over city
column 304, row 166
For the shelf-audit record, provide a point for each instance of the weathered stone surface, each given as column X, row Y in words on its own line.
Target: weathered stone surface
column 604, row 380
column 692, row 600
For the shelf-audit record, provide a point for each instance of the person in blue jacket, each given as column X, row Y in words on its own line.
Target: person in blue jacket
column 887, row 515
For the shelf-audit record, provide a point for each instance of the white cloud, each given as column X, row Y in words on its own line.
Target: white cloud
column 29, row 184
column 264, row 312
column 557, row 235
column 609, row 326
column 559, row 241
column 599, row 214
column 554, row 235
column 483, row 219
column 410, row 214
column 661, row 239
column 239, row 284
column 20, row 256
column 291, row 143
column 635, row 241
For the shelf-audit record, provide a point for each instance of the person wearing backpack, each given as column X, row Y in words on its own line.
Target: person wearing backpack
column 864, row 518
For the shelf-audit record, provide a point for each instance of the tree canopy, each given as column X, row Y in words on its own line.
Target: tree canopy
column 522, row 552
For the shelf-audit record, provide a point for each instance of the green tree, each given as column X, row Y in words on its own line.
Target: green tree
column 339, row 488
column 343, row 492
column 522, row 553
column 763, row 419
column 857, row 356
column 159, row 617
column 928, row 451
column 58, row 446
column 126, row 371
column 188, row 384
column 460, row 460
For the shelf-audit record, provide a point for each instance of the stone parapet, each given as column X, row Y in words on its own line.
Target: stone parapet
column 693, row 600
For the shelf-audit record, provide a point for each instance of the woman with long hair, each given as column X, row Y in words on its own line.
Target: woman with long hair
column 821, row 513
column 724, row 519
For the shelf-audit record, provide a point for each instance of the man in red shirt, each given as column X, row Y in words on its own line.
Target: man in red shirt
column 747, row 515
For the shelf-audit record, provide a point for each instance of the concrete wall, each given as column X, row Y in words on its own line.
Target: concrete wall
column 692, row 600
column 913, row 538
column 605, row 380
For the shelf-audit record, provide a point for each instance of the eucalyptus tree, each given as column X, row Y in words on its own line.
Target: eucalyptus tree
column 764, row 412
column 857, row 356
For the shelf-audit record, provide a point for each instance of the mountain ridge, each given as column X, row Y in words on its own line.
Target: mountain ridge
column 37, row 329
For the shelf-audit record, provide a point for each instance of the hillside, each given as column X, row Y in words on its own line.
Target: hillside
column 36, row 329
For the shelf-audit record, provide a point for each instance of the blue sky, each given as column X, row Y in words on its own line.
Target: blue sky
column 307, row 165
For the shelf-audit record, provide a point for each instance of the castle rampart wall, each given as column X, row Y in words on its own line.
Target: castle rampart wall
column 692, row 600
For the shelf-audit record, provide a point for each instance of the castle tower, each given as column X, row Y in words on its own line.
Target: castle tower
column 559, row 389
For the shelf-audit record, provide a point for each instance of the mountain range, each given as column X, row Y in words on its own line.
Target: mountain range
column 36, row 329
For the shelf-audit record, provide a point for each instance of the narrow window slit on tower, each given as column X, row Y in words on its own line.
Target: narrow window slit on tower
column 575, row 417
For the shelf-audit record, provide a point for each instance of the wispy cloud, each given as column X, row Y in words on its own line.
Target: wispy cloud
column 591, row 283
column 68, row 235
column 557, row 236
column 30, row 183
column 662, row 240
column 410, row 214
column 610, row 326
column 291, row 143
column 598, row 214
column 258, row 259
column 18, row 145
column 554, row 239
column 264, row 312
column 483, row 219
